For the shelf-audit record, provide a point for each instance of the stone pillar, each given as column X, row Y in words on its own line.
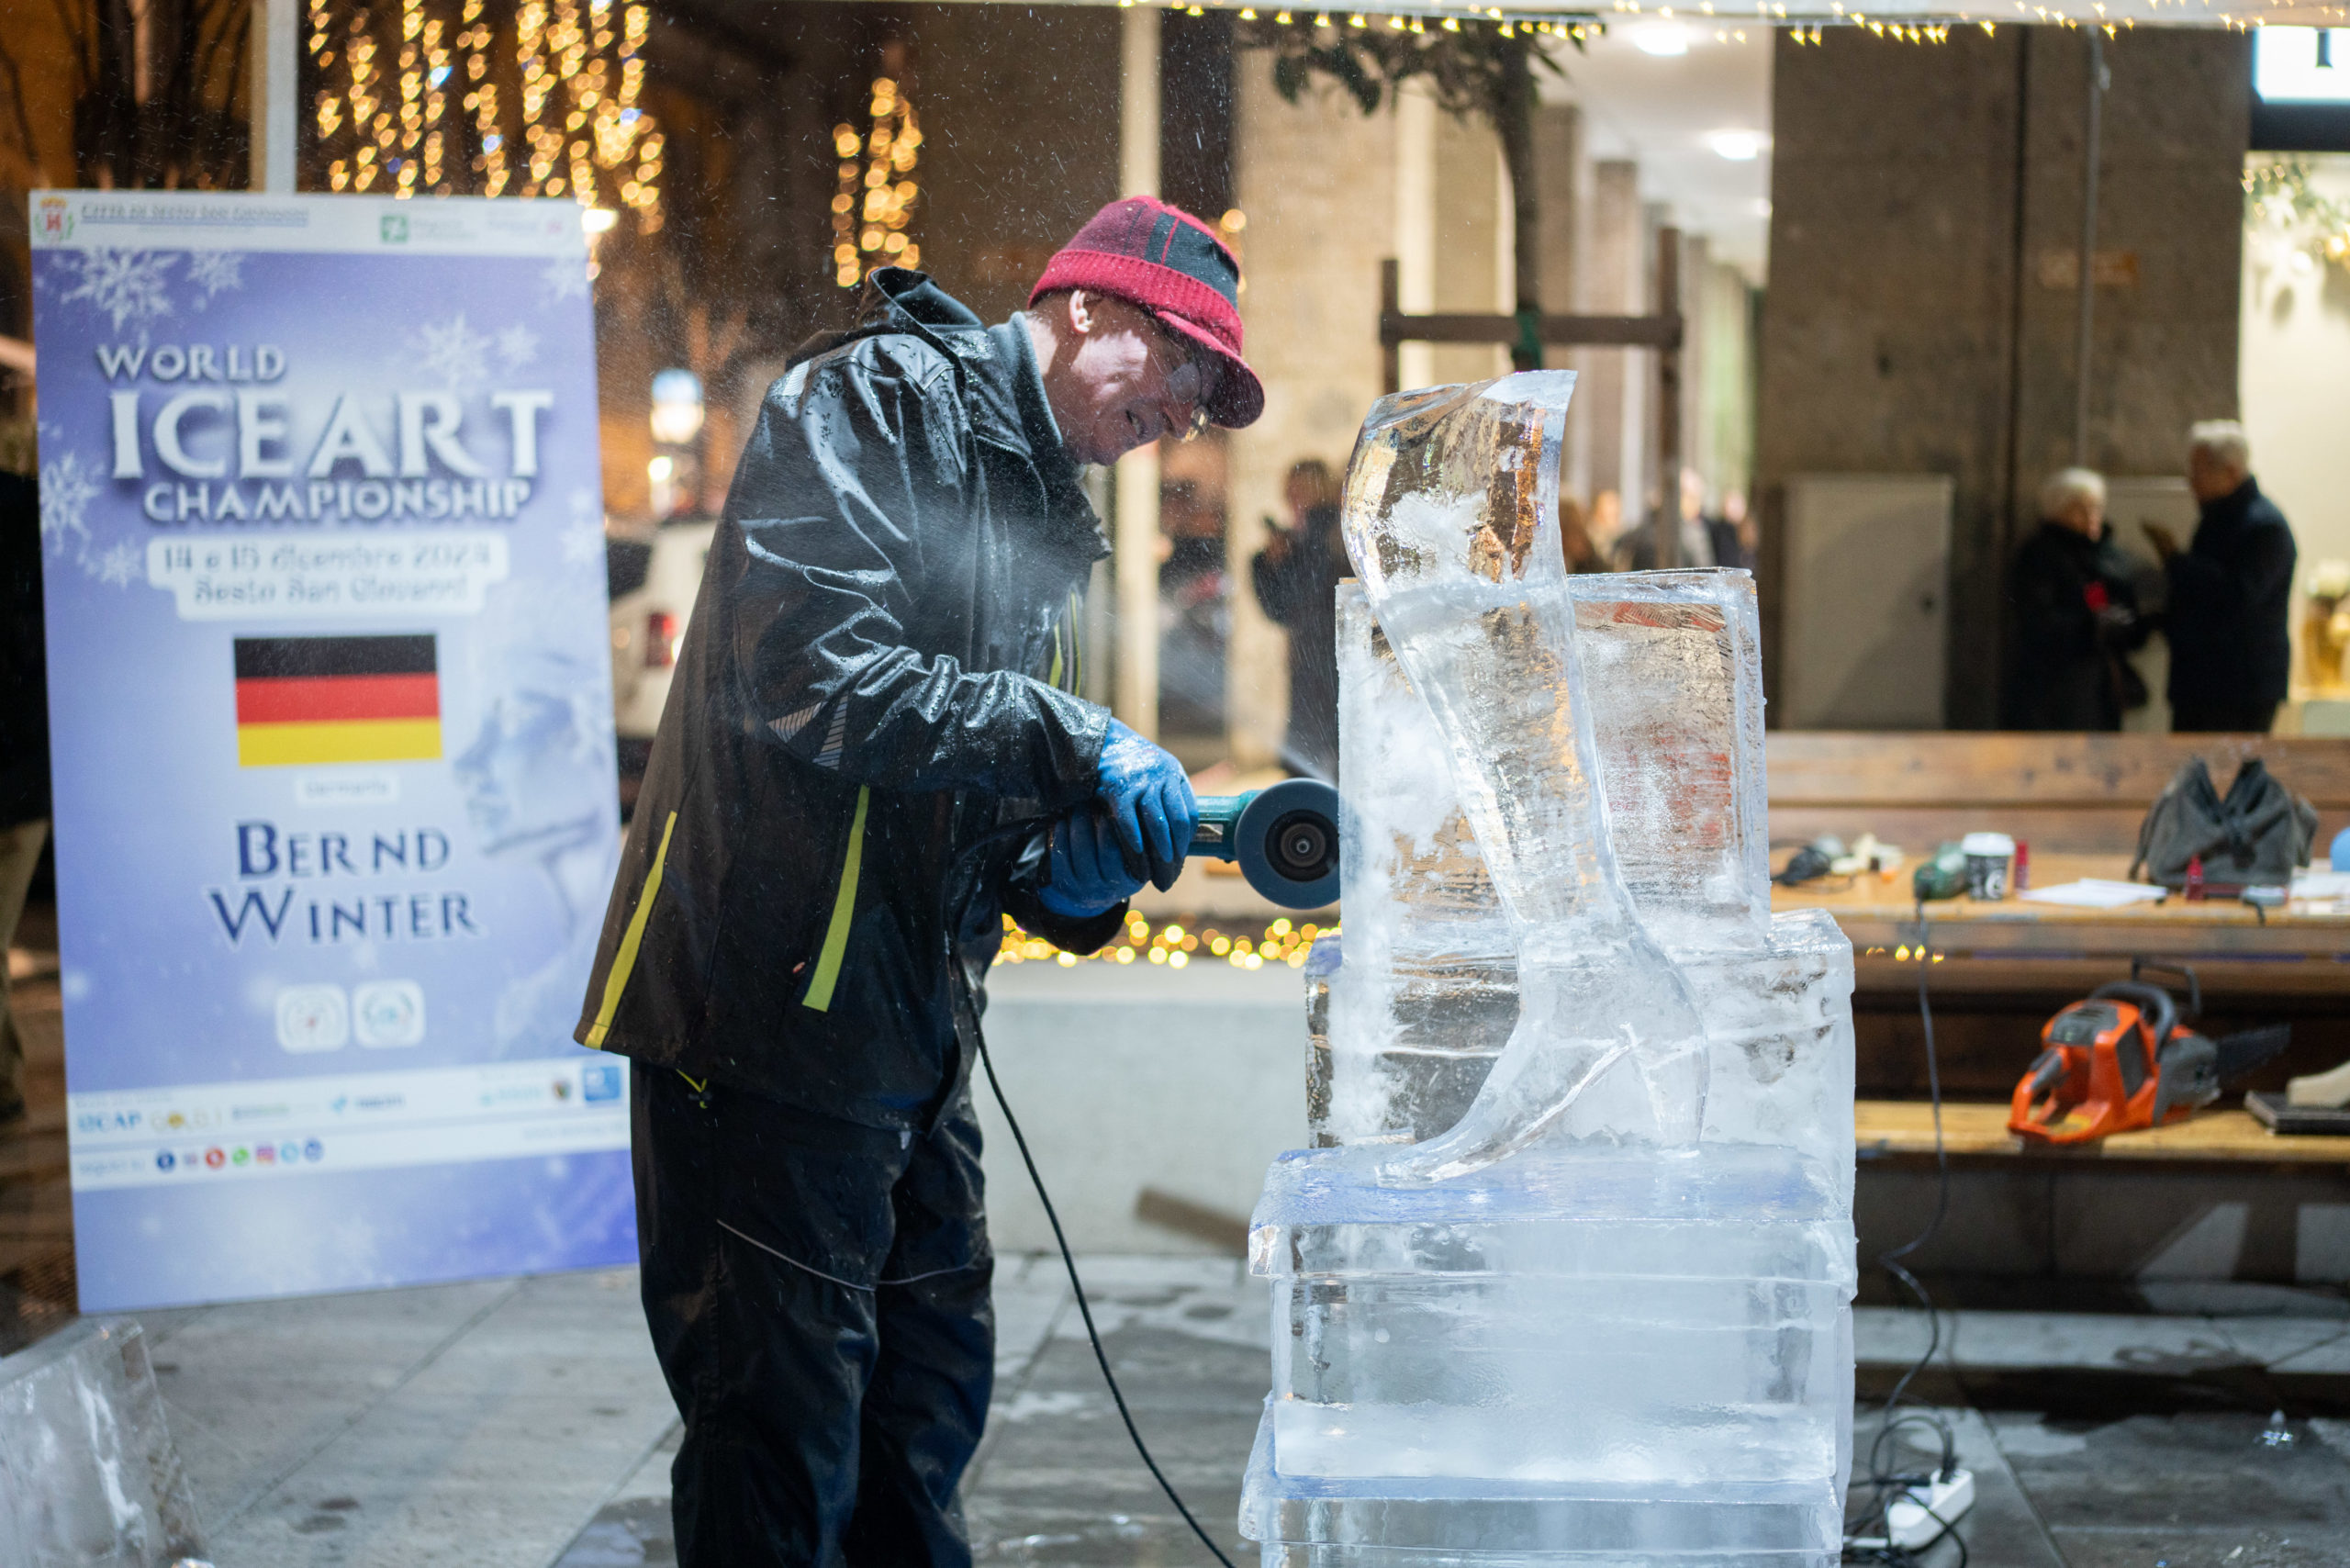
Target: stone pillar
column 1564, row 175
column 1415, row 249
column 1721, row 322
column 1137, row 545
column 273, row 73
column 1304, row 174
column 1924, row 254
column 1472, row 229
column 1612, row 284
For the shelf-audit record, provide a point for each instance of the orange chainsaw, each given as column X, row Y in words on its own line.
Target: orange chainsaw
column 2122, row 1061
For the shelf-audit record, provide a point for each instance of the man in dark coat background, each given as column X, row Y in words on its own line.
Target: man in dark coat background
column 1296, row 576
column 873, row 752
column 2231, row 592
column 2075, row 615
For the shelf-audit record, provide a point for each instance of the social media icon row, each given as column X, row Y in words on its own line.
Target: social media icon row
column 377, row 1014
column 240, row 1156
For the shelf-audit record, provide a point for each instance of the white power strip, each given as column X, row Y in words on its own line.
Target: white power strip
column 1919, row 1514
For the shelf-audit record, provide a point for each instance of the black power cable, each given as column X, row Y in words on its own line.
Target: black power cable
column 1028, row 826
column 1086, row 1311
column 1889, row 1488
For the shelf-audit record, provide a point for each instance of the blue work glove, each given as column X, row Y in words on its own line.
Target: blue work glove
column 1152, row 811
column 1085, row 875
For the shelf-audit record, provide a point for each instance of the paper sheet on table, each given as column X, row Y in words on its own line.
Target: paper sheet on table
column 2095, row 892
column 2321, row 885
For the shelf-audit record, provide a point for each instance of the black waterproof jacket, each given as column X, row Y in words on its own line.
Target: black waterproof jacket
column 2231, row 592
column 872, row 721
column 2074, row 607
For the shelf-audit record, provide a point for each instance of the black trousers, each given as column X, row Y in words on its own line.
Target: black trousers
column 2231, row 715
column 818, row 1292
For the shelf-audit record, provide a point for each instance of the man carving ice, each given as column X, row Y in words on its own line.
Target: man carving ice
column 872, row 752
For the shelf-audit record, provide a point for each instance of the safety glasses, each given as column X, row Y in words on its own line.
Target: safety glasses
column 1191, row 385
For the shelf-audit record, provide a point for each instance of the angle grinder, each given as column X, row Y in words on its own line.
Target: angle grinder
column 1285, row 839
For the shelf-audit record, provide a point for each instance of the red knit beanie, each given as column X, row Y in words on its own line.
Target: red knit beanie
column 1172, row 264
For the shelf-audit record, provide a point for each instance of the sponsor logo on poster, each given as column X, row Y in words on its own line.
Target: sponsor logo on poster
column 312, row 1018
column 388, row 1012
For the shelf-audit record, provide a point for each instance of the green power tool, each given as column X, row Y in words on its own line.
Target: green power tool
column 1284, row 838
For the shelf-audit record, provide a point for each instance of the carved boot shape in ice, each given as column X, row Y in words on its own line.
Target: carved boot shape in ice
column 1450, row 516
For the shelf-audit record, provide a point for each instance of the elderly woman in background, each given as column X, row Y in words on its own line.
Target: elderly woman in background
column 2075, row 615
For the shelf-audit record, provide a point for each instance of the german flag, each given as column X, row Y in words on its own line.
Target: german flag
column 330, row 700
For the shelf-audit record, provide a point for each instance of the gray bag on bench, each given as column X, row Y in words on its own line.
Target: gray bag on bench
column 2252, row 839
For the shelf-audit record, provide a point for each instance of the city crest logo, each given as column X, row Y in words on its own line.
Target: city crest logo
column 54, row 218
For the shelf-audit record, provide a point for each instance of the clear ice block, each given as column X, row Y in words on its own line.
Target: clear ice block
column 1450, row 519
column 1600, row 1314
column 1427, row 995
column 1430, row 996
column 88, row 1475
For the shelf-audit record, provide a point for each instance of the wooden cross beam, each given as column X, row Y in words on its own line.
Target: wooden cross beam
column 1661, row 332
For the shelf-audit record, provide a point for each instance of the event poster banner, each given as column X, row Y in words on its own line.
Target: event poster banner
column 331, row 711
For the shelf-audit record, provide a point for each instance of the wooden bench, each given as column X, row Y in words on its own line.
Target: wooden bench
column 2080, row 793
column 1904, row 1129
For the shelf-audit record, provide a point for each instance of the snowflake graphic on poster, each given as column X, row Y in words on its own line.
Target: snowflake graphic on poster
column 119, row 563
column 583, row 544
column 127, row 286
column 67, row 488
column 452, row 353
column 216, row 272
column 566, row 278
column 583, row 537
column 518, row 346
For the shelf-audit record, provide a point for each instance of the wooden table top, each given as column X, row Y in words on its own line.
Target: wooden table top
column 1906, row 1128
column 1876, row 911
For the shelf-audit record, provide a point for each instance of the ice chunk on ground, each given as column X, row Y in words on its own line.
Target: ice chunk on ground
column 88, row 1475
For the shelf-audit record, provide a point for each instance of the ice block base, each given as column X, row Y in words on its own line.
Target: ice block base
column 1302, row 1521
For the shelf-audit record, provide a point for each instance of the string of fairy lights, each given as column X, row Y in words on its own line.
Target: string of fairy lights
column 429, row 97
column 874, row 204
column 1581, row 25
column 1173, row 944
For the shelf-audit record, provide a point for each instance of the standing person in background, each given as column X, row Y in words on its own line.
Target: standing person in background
column 1297, row 576
column 24, row 746
column 2231, row 592
column 1605, row 526
column 1582, row 554
column 1637, row 553
column 1732, row 532
column 2075, row 615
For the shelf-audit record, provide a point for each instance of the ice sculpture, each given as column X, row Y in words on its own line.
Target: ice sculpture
column 1596, row 1309
column 1448, row 494
column 88, row 1475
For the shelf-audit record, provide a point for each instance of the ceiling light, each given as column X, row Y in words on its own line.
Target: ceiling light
column 1660, row 38
column 1738, row 146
